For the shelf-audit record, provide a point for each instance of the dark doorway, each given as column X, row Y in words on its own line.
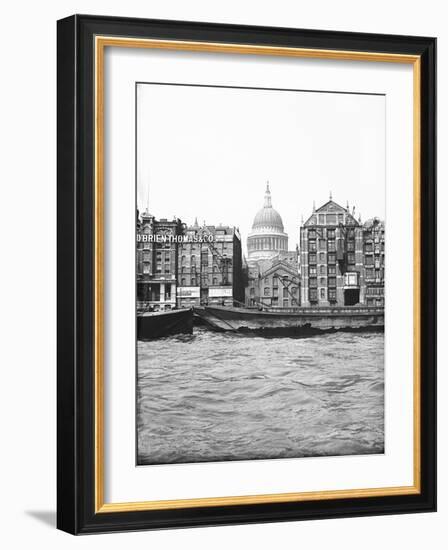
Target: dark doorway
column 351, row 296
column 204, row 296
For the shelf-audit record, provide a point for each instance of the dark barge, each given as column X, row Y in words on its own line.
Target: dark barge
column 164, row 323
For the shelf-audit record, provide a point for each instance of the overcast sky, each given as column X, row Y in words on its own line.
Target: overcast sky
column 208, row 152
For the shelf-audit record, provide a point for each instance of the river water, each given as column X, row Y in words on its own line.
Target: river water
column 220, row 396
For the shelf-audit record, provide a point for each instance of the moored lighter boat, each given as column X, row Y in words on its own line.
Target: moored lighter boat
column 156, row 324
column 300, row 321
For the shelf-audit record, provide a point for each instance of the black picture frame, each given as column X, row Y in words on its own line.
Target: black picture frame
column 76, row 512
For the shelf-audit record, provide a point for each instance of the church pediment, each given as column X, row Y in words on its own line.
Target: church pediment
column 330, row 207
column 281, row 267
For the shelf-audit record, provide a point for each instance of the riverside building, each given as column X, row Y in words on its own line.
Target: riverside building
column 210, row 268
column 340, row 265
column 274, row 283
column 273, row 270
column 374, row 261
column 180, row 266
column 157, row 262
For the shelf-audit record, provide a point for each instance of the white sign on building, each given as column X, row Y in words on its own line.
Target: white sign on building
column 351, row 279
column 220, row 292
column 188, row 292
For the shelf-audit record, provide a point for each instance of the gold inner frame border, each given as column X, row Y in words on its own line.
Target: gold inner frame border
column 101, row 42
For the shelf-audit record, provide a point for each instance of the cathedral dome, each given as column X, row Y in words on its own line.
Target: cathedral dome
column 268, row 217
column 267, row 238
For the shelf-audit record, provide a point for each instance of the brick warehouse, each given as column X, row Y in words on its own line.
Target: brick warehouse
column 342, row 260
column 157, row 262
column 180, row 266
column 210, row 266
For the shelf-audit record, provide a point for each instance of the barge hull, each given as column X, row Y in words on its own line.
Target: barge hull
column 305, row 321
column 164, row 323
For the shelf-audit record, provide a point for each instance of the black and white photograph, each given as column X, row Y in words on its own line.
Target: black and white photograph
column 246, row 261
column 260, row 273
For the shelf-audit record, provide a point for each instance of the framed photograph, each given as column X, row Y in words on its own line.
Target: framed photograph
column 246, row 274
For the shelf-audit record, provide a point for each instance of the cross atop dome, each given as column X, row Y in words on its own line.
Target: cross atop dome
column 267, row 196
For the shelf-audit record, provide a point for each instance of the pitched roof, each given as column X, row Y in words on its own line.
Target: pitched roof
column 331, row 207
column 280, row 265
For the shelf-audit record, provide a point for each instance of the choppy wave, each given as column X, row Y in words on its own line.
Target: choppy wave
column 213, row 397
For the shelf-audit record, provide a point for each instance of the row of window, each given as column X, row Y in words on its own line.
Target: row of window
column 374, row 273
column 376, row 261
column 375, row 290
column 203, row 248
column 331, row 233
column 313, row 257
column 330, row 219
column 159, row 270
column 312, row 283
column 313, row 233
column 313, row 294
column 312, row 270
column 374, row 247
column 329, row 245
column 147, row 258
column 204, row 259
column 194, row 269
column 312, row 245
column 379, row 302
column 376, row 235
column 331, row 258
column 167, row 268
column 166, row 247
column 267, row 291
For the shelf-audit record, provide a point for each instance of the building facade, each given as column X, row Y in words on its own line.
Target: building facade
column 157, row 262
column 210, row 269
column 374, row 261
column 341, row 262
column 274, row 283
column 337, row 254
column 180, row 266
column 267, row 237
